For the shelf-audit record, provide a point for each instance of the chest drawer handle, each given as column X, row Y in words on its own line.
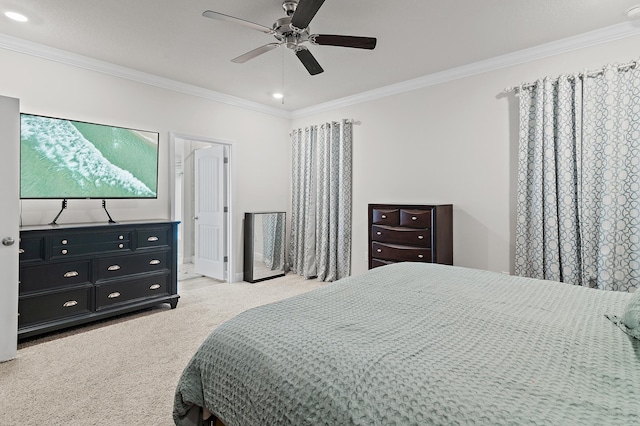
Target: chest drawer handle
column 378, row 233
column 154, row 262
column 420, row 237
column 71, row 274
column 21, row 251
column 70, row 303
column 64, row 251
column 384, row 216
column 113, row 295
column 420, row 256
column 121, row 237
column 379, row 250
column 120, row 245
column 414, row 218
column 150, row 239
column 64, row 242
column 113, row 268
column 154, row 287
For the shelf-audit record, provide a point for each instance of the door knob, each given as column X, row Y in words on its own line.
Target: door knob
column 7, row 241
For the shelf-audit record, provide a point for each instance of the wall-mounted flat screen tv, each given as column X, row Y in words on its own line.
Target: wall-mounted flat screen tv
column 65, row 159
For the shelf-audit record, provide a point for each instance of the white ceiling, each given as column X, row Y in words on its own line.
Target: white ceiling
column 416, row 38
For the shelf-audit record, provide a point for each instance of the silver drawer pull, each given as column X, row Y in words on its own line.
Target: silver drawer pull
column 379, row 250
column 64, row 242
column 420, row 256
column 154, row 287
column 21, row 251
column 154, row 262
column 378, row 233
column 64, row 251
column 152, row 239
column 384, row 216
column 121, row 237
column 420, row 237
column 71, row 274
column 120, row 245
column 113, row 295
column 70, row 303
column 414, row 218
column 113, row 268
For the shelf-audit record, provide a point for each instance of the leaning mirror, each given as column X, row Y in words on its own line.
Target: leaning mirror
column 264, row 235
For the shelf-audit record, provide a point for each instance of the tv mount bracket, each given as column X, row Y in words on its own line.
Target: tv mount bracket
column 64, row 206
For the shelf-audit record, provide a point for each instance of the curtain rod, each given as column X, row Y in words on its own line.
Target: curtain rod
column 623, row 67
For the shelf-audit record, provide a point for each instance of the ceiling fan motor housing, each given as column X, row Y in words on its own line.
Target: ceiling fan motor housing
column 289, row 6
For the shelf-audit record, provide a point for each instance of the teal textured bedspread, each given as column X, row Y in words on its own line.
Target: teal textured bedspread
column 417, row 344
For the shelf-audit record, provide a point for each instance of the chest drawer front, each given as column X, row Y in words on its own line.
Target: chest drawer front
column 60, row 252
column 377, row 262
column 47, row 277
column 31, row 248
column 386, row 217
column 53, row 306
column 116, row 293
column 71, row 239
column 153, row 237
column 413, row 237
column 415, row 218
column 111, row 267
column 400, row 253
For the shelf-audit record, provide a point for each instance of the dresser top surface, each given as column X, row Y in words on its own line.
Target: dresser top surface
column 96, row 225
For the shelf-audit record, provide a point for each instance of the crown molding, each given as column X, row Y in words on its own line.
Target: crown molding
column 592, row 38
column 80, row 61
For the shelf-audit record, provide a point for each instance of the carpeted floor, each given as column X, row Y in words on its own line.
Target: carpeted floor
column 124, row 371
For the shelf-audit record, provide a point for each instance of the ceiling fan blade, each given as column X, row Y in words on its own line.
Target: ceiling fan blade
column 305, row 11
column 255, row 52
column 222, row 17
column 308, row 61
column 344, row 41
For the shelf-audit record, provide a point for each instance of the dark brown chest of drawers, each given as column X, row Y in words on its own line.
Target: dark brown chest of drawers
column 410, row 233
column 71, row 275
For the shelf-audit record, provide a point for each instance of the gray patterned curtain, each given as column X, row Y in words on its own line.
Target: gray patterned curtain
column 321, row 201
column 273, row 240
column 578, row 206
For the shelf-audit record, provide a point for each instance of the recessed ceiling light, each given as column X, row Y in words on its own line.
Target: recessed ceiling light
column 16, row 16
column 633, row 11
column 278, row 95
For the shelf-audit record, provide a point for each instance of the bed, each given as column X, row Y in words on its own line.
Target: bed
column 417, row 344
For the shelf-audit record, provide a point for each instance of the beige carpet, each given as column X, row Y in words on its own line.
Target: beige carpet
column 124, row 371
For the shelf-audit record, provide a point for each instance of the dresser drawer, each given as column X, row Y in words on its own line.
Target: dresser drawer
column 59, row 252
column 116, row 293
column 415, row 218
column 386, row 217
column 118, row 266
column 413, row 237
column 94, row 238
column 377, row 262
column 54, row 305
column 53, row 275
column 153, row 237
column 31, row 249
column 400, row 253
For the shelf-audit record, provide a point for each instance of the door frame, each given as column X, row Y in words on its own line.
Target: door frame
column 176, row 190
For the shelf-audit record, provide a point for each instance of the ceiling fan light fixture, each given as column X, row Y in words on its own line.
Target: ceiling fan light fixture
column 633, row 12
column 15, row 16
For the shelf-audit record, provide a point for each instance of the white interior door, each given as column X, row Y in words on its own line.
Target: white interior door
column 209, row 186
column 9, row 220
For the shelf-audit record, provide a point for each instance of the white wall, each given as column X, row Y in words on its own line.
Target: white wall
column 260, row 141
column 455, row 143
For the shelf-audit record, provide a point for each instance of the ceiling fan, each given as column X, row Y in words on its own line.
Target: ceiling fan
column 293, row 30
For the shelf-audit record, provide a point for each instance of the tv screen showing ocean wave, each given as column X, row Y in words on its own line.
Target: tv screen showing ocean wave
column 63, row 159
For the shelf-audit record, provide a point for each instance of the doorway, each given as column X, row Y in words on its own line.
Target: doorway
column 201, row 201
